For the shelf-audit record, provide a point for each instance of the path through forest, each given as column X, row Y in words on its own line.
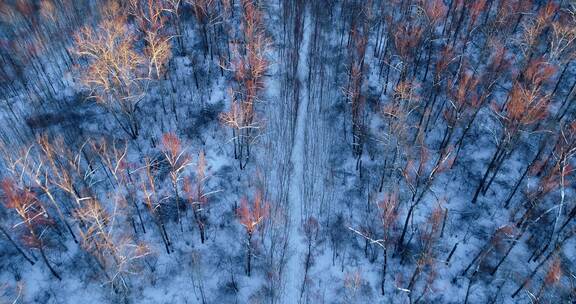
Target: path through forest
column 294, row 274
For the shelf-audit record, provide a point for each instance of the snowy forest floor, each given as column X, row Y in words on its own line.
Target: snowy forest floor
column 317, row 243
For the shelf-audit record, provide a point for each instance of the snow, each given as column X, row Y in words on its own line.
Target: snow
column 304, row 164
column 294, row 275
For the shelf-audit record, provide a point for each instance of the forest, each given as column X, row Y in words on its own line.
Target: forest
column 288, row 151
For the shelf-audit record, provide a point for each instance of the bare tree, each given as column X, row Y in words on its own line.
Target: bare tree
column 152, row 201
column 251, row 218
column 118, row 255
column 178, row 159
column 113, row 74
column 249, row 65
column 198, row 195
column 34, row 218
column 30, row 167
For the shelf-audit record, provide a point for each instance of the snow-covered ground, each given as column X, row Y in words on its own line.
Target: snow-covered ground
column 294, row 275
column 302, row 162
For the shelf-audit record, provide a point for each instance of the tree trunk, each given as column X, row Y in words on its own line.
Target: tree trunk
column 514, row 242
column 16, row 246
column 451, row 253
column 384, row 266
column 249, row 254
column 400, row 243
column 488, row 170
column 43, row 254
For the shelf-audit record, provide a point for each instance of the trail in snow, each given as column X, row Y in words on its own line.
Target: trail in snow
column 294, row 273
